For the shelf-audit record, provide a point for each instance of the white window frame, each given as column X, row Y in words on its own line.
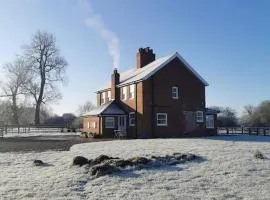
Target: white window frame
column 93, row 124
column 175, row 94
column 109, row 120
column 210, row 121
column 132, row 119
column 131, row 91
column 124, row 93
column 109, row 95
column 199, row 116
column 88, row 124
column 166, row 119
column 103, row 98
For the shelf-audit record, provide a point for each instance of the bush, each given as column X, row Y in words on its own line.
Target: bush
column 258, row 155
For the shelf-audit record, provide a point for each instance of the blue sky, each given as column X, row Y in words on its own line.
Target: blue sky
column 227, row 42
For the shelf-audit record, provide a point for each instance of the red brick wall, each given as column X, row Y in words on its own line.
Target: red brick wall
column 158, row 99
column 90, row 119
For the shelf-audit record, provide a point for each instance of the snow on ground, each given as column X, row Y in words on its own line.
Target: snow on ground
column 39, row 133
column 229, row 171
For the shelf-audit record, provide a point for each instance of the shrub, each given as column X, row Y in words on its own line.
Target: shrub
column 258, row 155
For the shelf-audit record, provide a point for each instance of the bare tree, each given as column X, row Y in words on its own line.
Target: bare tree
column 16, row 76
column 86, row 107
column 226, row 117
column 47, row 69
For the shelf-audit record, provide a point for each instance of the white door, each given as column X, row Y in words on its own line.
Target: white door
column 122, row 123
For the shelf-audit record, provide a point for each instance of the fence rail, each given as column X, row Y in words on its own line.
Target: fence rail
column 23, row 129
column 243, row 130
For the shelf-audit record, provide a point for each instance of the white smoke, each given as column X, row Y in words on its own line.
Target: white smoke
column 95, row 22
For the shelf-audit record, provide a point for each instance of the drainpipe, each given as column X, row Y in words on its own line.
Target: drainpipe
column 152, row 108
column 136, row 121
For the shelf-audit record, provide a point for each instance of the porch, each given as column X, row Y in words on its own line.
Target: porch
column 107, row 120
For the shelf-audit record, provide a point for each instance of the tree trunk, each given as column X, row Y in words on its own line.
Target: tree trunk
column 39, row 100
column 15, row 110
column 37, row 113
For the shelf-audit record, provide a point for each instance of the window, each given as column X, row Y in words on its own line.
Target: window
column 103, row 97
column 109, row 95
column 199, row 116
column 124, row 93
column 131, row 91
column 175, row 93
column 109, row 122
column 88, row 125
column 210, row 121
column 162, row 119
column 131, row 119
column 93, row 125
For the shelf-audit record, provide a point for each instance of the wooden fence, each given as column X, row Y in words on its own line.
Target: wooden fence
column 243, row 130
column 23, row 129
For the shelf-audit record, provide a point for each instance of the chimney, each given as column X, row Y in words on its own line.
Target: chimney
column 115, row 91
column 144, row 57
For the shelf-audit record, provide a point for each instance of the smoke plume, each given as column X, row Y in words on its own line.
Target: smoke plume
column 95, row 22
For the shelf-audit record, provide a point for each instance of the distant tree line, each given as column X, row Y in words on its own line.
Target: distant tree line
column 254, row 116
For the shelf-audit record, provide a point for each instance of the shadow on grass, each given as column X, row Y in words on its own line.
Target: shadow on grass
column 240, row 138
column 133, row 172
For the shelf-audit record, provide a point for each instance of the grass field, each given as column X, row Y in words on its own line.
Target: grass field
column 229, row 170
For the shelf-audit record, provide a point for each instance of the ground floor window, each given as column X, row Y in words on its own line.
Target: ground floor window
column 162, row 119
column 109, row 122
column 199, row 116
column 210, row 121
column 92, row 124
column 132, row 119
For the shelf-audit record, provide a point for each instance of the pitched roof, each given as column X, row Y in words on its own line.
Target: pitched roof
column 212, row 111
column 109, row 108
column 141, row 74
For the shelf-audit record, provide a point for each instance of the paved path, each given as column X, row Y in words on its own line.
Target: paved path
column 42, row 143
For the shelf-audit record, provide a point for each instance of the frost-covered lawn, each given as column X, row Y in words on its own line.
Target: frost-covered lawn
column 40, row 133
column 229, row 172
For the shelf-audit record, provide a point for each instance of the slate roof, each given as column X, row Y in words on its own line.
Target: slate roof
column 109, row 108
column 137, row 75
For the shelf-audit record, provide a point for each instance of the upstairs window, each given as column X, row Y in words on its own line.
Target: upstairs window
column 103, row 96
column 132, row 119
column 124, row 93
column 132, row 91
column 175, row 93
column 199, row 116
column 162, row 119
column 109, row 95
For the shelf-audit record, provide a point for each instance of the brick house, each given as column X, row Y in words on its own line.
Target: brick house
column 162, row 97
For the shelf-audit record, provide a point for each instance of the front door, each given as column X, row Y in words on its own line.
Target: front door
column 122, row 123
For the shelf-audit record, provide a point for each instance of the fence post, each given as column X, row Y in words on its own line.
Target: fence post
column 242, row 130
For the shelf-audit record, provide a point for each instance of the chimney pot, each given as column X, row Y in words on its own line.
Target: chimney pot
column 144, row 57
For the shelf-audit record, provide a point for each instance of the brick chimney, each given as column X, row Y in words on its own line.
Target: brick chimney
column 144, row 57
column 115, row 91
